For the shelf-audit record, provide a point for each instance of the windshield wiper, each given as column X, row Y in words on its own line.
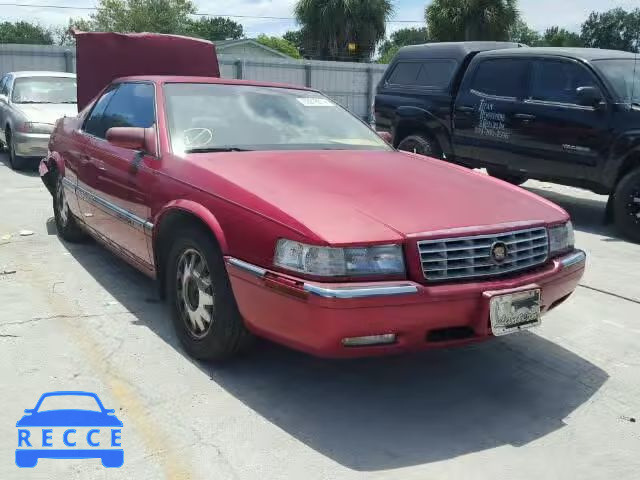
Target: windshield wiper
column 217, row 149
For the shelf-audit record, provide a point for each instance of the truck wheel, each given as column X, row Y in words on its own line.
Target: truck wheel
column 626, row 205
column 67, row 226
column 205, row 314
column 420, row 144
column 513, row 179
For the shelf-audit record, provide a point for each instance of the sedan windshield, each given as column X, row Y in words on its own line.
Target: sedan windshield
column 624, row 77
column 216, row 117
column 44, row 90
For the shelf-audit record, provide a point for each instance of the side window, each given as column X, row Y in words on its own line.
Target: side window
column 94, row 124
column 4, row 87
column 429, row 73
column 501, row 77
column 133, row 105
column 557, row 81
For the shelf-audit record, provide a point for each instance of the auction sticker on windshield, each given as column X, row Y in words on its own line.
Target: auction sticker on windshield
column 315, row 102
column 512, row 312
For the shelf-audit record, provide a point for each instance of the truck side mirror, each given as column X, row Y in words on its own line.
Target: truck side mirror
column 589, row 96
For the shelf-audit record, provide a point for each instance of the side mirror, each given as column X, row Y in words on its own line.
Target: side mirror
column 134, row 138
column 386, row 136
column 589, row 96
column 28, row 410
column 3, row 98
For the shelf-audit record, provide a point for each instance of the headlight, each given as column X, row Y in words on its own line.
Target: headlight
column 34, row 127
column 561, row 239
column 339, row 262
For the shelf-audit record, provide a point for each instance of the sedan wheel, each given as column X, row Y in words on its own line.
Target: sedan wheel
column 195, row 293
column 205, row 313
column 66, row 223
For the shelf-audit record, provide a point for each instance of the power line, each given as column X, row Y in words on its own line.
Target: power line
column 204, row 14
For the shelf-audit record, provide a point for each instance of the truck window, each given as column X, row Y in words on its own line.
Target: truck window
column 556, row 81
column 435, row 73
column 501, row 77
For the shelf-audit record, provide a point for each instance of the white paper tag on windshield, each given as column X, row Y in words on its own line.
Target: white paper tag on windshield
column 315, row 102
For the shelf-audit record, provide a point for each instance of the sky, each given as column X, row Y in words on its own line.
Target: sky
column 539, row 14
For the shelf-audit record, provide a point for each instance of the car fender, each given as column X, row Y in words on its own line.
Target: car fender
column 199, row 211
column 624, row 147
column 427, row 121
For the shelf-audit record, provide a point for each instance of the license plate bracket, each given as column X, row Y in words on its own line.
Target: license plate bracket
column 512, row 312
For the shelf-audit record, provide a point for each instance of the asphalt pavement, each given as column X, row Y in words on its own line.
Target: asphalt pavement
column 559, row 402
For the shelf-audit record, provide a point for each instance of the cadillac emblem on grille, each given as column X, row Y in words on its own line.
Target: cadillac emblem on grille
column 499, row 252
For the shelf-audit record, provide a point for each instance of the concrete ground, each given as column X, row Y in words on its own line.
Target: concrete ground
column 560, row 402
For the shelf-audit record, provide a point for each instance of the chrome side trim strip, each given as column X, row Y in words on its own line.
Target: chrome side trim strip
column 573, row 259
column 128, row 217
column 248, row 267
column 361, row 292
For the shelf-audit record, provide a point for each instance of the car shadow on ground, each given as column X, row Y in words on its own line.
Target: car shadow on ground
column 29, row 171
column 588, row 214
column 383, row 413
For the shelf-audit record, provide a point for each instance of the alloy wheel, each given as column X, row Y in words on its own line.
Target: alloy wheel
column 63, row 205
column 195, row 297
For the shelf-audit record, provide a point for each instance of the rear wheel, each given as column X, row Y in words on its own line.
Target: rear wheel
column 420, row 144
column 507, row 177
column 205, row 314
column 626, row 205
column 67, row 226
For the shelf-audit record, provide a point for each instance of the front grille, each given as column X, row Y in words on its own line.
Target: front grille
column 462, row 258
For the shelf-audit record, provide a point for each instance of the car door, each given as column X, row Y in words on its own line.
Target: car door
column 485, row 110
column 114, row 178
column 561, row 138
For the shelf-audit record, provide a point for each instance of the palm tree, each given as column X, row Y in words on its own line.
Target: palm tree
column 456, row 20
column 332, row 26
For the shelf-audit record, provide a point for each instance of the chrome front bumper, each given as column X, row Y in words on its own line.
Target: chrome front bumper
column 31, row 144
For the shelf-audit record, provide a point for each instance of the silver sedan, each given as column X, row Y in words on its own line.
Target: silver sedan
column 30, row 104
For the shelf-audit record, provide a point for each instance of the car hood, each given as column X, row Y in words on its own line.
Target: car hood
column 353, row 196
column 46, row 112
column 69, row 418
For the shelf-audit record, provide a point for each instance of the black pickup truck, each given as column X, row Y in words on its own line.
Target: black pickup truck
column 563, row 115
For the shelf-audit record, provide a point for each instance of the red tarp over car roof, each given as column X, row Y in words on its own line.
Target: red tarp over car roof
column 103, row 57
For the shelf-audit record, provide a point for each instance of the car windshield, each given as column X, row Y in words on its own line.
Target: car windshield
column 624, row 76
column 69, row 402
column 217, row 117
column 44, row 90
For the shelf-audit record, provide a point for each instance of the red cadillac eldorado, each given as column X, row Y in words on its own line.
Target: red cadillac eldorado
column 269, row 210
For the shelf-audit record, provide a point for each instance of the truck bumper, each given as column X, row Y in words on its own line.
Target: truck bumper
column 327, row 320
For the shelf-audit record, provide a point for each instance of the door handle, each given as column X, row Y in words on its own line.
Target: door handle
column 524, row 116
column 465, row 109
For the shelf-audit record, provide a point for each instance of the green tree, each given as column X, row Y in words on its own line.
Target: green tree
column 24, row 32
column 160, row 16
column 342, row 29
column 214, row 28
column 296, row 38
column 459, row 20
column 64, row 36
column 521, row 33
column 280, row 44
column 559, row 37
column 402, row 38
column 616, row 29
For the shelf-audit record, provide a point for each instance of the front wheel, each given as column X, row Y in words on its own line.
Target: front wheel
column 420, row 144
column 15, row 162
column 507, row 177
column 67, row 226
column 205, row 314
column 626, row 206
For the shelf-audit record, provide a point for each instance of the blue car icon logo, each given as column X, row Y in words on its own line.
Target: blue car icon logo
column 88, row 432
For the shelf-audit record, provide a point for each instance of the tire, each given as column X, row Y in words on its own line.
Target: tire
column 204, row 310
column 15, row 162
column 66, row 223
column 626, row 206
column 510, row 178
column 420, row 144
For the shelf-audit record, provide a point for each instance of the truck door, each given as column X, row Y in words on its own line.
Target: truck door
column 485, row 111
column 561, row 138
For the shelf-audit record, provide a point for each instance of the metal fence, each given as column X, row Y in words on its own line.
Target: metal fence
column 350, row 84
